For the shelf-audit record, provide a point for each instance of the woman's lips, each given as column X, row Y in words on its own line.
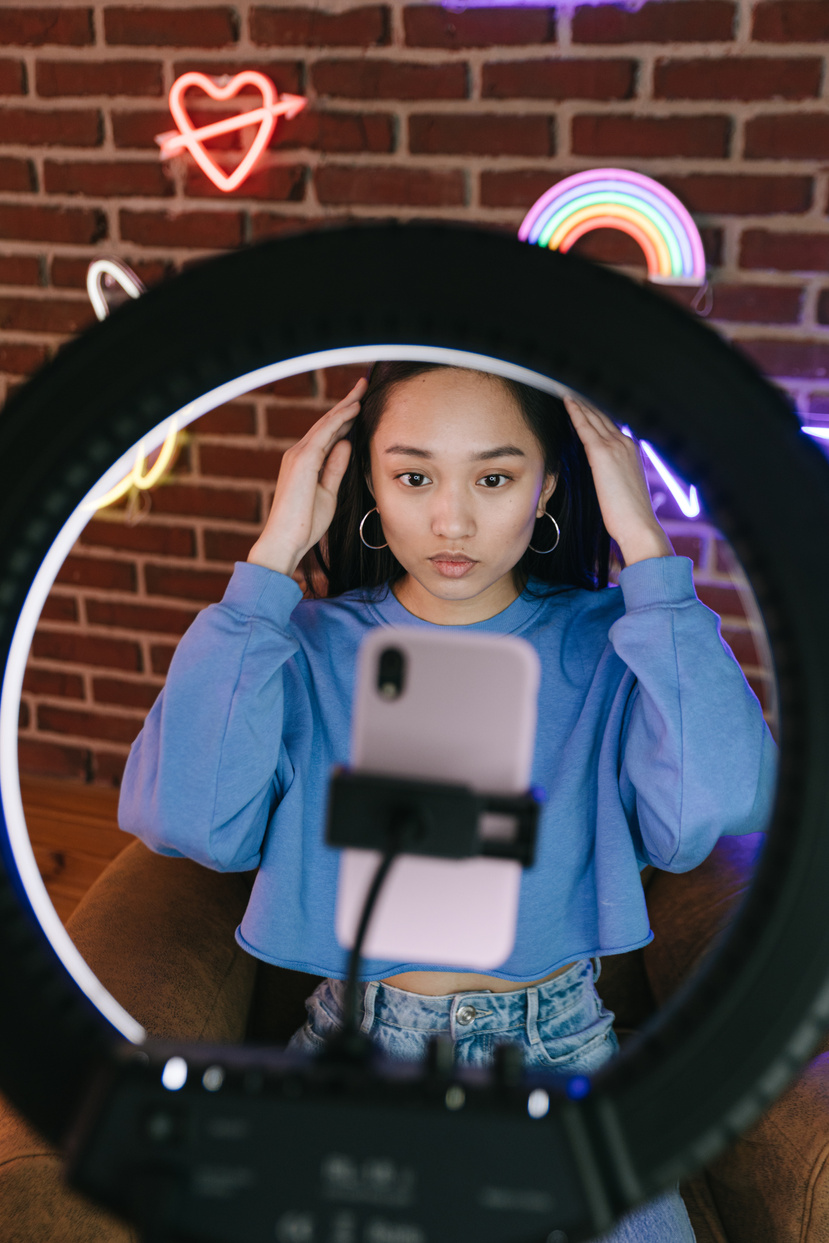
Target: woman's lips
column 452, row 567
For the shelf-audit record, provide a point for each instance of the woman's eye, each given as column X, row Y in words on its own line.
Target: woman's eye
column 494, row 481
column 413, row 479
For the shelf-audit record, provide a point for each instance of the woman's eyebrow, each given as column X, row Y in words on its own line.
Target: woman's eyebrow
column 501, row 451
column 485, row 456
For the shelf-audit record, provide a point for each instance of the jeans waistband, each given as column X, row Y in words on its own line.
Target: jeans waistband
column 482, row 1010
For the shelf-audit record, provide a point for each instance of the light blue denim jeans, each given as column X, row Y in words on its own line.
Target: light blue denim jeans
column 560, row 1026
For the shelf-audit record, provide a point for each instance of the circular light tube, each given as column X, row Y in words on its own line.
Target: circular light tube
column 12, row 683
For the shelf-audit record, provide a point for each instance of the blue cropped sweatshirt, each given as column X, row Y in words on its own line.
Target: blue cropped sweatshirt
column 650, row 746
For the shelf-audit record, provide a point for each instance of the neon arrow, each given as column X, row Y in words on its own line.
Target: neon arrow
column 174, row 141
column 187, row 137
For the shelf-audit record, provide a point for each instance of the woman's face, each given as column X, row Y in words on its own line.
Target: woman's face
column 459, row 479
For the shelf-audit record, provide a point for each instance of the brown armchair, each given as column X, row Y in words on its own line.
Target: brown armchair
column 158, row 932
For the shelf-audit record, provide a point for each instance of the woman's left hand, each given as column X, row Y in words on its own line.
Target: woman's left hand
column 619, row 475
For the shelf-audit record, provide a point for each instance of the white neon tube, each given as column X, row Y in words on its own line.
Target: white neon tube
column 120, row 273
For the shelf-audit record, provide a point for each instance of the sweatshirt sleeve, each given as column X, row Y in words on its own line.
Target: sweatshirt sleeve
column 697, row 758
column 208, row 767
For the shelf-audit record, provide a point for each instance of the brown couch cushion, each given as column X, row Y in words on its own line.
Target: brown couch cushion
column 772, row 1185
column 186, row 977
column 36, row 1206
column 689, row 911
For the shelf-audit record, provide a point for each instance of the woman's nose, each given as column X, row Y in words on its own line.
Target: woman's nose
column 452, row 517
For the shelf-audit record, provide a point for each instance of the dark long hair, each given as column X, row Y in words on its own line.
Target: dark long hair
column 582, row 556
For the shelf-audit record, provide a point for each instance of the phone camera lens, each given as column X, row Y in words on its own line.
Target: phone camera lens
column 390, row 673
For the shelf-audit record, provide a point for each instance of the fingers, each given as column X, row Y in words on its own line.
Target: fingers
column 332, row 472
column 586, row 419
column 337, row 422
column 309, row 478
column 597, row 432
column 352, row 398
column 319, row 440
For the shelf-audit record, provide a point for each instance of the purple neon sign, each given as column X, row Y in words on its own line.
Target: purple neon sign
column 687, row 497
column 631, row 5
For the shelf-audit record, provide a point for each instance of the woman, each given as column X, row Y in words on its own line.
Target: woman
column 493, row 511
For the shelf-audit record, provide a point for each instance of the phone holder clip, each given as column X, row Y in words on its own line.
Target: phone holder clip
column 370, row 811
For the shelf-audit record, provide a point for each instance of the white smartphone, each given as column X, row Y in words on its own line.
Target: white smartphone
column 451, row 707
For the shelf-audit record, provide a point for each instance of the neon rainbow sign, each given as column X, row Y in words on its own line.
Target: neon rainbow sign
column 187, row 137
column 617, row 198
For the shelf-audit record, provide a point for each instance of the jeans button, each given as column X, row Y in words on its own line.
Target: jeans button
column 466, row 1015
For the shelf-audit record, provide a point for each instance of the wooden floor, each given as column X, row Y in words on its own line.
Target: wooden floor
column 74, row 834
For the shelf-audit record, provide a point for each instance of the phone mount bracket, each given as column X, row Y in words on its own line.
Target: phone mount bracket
column 370, row 811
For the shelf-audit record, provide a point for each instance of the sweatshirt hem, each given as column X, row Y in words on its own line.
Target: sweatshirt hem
column 309, row 968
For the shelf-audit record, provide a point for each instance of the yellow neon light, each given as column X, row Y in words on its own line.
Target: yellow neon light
column 138, row 477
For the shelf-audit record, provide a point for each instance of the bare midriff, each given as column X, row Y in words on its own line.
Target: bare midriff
column 442, row 983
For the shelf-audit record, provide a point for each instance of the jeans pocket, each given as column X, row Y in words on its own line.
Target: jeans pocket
column 583, row 1060
column 305, row 1040
column 579, row 1048
column 320, row 1024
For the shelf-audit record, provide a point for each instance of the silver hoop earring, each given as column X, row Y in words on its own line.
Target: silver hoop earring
column 362, row 524
column 543, row 551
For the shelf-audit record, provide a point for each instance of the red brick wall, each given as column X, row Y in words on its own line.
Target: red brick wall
column 414, row 111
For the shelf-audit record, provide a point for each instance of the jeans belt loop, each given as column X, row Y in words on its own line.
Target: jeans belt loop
column 369, row 997
column 532, row 1015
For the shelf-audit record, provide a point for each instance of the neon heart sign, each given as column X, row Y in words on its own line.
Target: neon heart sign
column 188, row 137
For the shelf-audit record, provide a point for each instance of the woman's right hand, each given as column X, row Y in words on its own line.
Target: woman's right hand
column 310, row 475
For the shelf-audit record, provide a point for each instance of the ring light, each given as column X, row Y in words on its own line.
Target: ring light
column 732, row 1040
